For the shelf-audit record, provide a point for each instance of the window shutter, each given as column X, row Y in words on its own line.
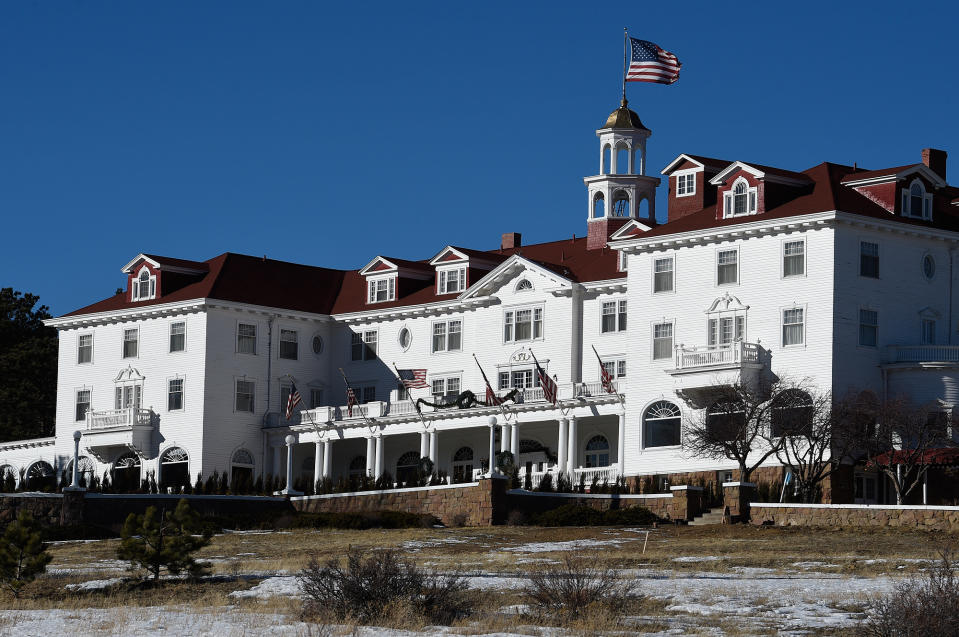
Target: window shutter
column 728, row 204
column 752, row 201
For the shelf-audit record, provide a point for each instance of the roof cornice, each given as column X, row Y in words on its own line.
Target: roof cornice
column 407, row 311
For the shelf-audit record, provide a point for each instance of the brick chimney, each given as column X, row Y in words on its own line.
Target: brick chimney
column 936, row 160
column 511, row 240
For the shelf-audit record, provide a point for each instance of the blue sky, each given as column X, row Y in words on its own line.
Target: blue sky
column 326, row 133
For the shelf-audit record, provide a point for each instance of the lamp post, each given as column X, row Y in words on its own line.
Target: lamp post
column 288, row 491
column 75, row 486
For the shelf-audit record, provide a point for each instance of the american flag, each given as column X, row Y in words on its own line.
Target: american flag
column 550, row 390
column 292, row 401
column 607, row 379
column 413, row 378
column 350, row 400
column 649, row 63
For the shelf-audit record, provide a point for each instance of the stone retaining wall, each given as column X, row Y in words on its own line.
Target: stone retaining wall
column 933, row 518
column 529, row 503
column 43, row 507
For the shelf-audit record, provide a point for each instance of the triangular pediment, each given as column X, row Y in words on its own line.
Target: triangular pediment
column 137, row 261
column 379, row 265
column 508, row 270
column 129, row 375
column 449, row 254
column 632, row 229
column 726, row 303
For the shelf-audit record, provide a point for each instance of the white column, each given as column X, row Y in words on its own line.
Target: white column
column 370, row 457
column 621, row 449
column 504, row 437
column 492, row 445
column 572, row 448
column 424, row 444
column 514, row 443
column 434, row 442
column 277, row 461
column 327, row 458
column 378, row 470
column 318, row 471
column 561, row 442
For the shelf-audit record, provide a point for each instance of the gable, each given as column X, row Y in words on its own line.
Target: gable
column 507, row 274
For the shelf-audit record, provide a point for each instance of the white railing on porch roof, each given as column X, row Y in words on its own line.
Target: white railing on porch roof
column 921, row 354
column 126, row 417
column 706, row 356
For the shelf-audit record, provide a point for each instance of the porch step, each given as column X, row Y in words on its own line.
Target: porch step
column 713, row 516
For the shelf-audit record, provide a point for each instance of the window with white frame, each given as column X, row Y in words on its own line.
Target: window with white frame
column 685, row 184
column 794, row 326
column 445, row 388
column 927, row 333
column 131, row 340
column 369, row 393
column 725, row 328
column 740, row 200
column 245, row 392
column 128, row 395
column 144, row 286
column 916, row 202
column 523, row 324
column 175, row 394
column 82, row 404
column 289, row 348
column 869, row 259
column 868, row 328
column 615, row 368
column 246, row 338
column 794, row 258
column 84, row 348
column 177, row 336
column 663, row 274
column 613, row 318
column 316, row 398
column 382, row 289
column 447, row 336
column 623, row 261
column 727, row 267
column 518, row 379
column 662, row 425
column 597, row 451
column 662, row 340
column 451, row 280
column 523, row 284
column 363, row 345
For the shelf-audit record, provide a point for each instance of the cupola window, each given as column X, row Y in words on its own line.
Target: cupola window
column 144, row 286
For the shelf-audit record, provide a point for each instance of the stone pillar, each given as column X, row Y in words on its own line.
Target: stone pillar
column 327, row 458
column 71, row 508
column 572, row 447
column 737, row 496
column 434, row 444
column 687, row 502
column 424, row 444
column 621, row 449
column 318, row 467
column 277, row 461
column 561, row 442
column 370, row 456
column 378, row 470
column 514, row 442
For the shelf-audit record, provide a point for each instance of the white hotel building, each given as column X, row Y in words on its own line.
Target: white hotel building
column 834, row 274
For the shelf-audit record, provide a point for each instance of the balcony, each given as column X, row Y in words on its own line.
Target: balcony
column 705, row 358
column 921, row 355
column 128, row 428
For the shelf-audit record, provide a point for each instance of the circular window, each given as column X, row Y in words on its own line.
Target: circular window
column 928, row 266
column 317, row 344
column 405, row 338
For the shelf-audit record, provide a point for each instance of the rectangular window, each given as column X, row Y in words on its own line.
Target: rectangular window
column 662, row 340
column 686, row 184
column 246, row 338
column 244, row 395
column 175, row 394
column 518, row 378
column 447, row 336
column 928, row 333
column 868, row 328
column 369, row 339
column 623, row 261
column 613, row 316
column 725, row 330
column 382, row 290
column 663, row 275
column 616, row 369
column 356, row 347
column 288, row 345
column 869, row 259
column 85, row 348
column 793, row 327
column 83, row 404
column 794, row 258
column 316, row 398
column 449, row 281
column 369, row 393
column 363, row 346
column 523, row 324
column 445, row 388
column 177, row 336
column 127, row 396
column 727, row 267
column 130, row 340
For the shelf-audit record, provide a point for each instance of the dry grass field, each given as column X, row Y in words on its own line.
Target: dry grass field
column 735, row 580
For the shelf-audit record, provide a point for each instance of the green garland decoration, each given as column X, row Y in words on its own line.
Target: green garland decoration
column 465, row 400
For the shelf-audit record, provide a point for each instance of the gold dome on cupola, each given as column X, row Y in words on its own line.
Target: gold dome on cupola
column 623, row 117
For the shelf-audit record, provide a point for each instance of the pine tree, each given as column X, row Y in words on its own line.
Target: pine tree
column 157, row 540
column 22, row 553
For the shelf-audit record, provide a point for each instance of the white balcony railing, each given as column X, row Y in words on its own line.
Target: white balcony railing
column 921, row 354
column 111, row 418
column 601, row 474
column 732, row 355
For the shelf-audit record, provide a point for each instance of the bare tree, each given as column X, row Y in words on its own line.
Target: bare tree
column 734, row 425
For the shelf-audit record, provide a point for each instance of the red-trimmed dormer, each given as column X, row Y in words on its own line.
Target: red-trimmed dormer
column 908, row 191
column 388, row 279
column 456, row 268
column 689, row 188
column 149, row 277
column 750, row 189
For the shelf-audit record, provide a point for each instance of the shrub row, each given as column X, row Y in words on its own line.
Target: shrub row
column 582, row 515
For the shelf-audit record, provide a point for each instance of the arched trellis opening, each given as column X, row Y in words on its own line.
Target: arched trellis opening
column 622, row 159
column 406, row 467
column 599, row 205
column 597, row 451
column 41, row 477
column 174, row 469
column 621, row 204
column 463, row 465
column 607, row 155
column 126, row 473
column 241, row 469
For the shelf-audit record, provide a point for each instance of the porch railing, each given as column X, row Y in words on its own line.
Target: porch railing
column 126, row 417
column 921, row 354
column 731, row 355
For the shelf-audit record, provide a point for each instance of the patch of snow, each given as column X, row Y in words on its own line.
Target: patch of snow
column 814, row 564
column 570, row 545
column 415, row 545
column 94, row 584
column 698, row 558
column 285, row 586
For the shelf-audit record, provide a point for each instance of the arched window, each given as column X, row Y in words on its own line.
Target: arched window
column 85, row 470
column 741, row 200
column 620, row 204
column 358, row 467
column 662, row 425
column 792, row 413
column 241, row 469
column 407, row 466
column 174, row 469
column 126, row 473
column 524, row 284
column 607, row 153
column 599, row 206
column 622, row 160
column 40, row 477
column 916, row 202
column 8, row 477
column 597, row 452
column 144, row 286
column 726, row 419
column 463, row 465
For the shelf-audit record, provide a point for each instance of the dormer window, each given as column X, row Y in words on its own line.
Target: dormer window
column 741, row 200
column 144, row 286
column 382, row 289
column 685, row 184
column 916, row 202
column 451, row 280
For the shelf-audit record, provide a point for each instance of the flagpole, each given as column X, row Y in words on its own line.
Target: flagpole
column 358, row 405
column 501, row 406
column 408, row 396
column 600, row 359
column 625, row 48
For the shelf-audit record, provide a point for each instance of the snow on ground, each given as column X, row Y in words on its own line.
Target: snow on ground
column 94, row 584
column 570, row 545
column 416, row 545
column 287, row 586
column 697, row 558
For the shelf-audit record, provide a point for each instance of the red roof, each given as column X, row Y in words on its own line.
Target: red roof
column 179, row 263
column 856, row 174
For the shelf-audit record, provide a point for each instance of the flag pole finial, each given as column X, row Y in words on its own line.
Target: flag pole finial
column 625, row 48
